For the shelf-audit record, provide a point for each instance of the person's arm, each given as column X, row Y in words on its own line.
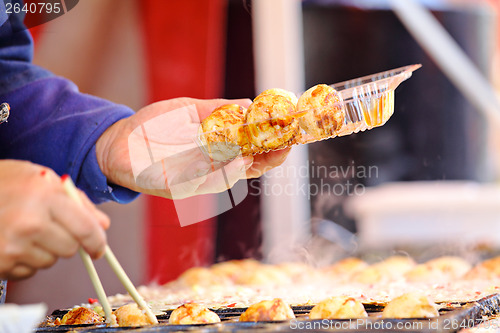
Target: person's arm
column 51, row 123
column 154, row 151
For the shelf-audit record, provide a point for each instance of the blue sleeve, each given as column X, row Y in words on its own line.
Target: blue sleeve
column 50, row 122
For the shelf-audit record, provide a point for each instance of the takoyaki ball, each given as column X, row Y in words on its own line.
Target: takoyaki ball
column 340, row 307
column 345, row 267
column 223, row 132
column 455, row 266
column 271, row 122
column 397, row 265
column 191, row 313
column 281, row 92
column 274, row 310
column 488, row 269
column 410, row 305
column 299, row 272
column 370, row 275
column 263, row 275
column 423, row 273
column 202, row 276
column 81, row 315
column 439, row 269
column 131, row 315
column 389, row 269
column 323, row 114
column 232, row 269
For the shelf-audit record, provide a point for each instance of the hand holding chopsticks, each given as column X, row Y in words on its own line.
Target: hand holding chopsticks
column 115, row 266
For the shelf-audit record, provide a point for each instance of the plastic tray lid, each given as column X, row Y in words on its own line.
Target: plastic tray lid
column 368, row 101
column 375, row 84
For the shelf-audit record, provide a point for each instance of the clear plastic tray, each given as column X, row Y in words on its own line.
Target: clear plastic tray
column 366, row 102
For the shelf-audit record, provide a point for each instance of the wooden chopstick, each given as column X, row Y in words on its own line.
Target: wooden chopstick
column 129, row 286
column 99, row 289
column 71, row 190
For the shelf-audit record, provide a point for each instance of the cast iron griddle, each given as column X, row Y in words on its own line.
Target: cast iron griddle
column 453, row 317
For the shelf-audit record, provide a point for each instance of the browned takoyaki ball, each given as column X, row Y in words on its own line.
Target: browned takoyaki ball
column 439, row 269
column 345, row 267
column 322, row 111
column 339, row 307
column 263, row 275
column 81, row 315
column 410, row 305
column 202, row 276
column 191, row 313
column 233, row 269
column 271, row 122
column 299, row 272
column 131, row 315
column 488, row 269
column 389, row 269
column 274, row 310
column 281, row 92
column 223, row 132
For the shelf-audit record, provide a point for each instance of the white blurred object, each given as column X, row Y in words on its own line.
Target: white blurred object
column 427, row 213
column 21, row 318
column 279, row 63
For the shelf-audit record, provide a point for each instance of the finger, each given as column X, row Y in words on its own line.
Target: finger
column 56, row 240
column 267, row 161
column 215, row 103
column 102, row 218
column 152, row 178
column 225, row 177
column 80, row 223
column 20, row 272
column 48, row 174
column 188, row 181
column 37, row 258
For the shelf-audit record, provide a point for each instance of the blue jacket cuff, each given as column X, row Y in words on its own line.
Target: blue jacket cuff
column 99, row 190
